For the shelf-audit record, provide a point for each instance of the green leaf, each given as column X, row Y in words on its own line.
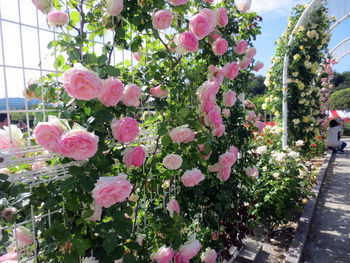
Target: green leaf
column 166, row 140
column 3, row 177
column 59, row 62
column 75, row 170
column 74, row 17
column 102, row 60
column 82, row 245
column 183, row 112
column 68, row 184
column 110, row 243
column 74, row 54
column 105, row 115
column 90, row 59
column 112, row 71
column 129, row 258
column 207, row 149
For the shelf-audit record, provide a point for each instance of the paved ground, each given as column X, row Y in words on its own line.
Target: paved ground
column 329, row 236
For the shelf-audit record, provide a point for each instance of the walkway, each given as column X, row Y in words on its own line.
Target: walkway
column 329, row 236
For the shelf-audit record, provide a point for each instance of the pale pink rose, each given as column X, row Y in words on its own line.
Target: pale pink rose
column 140, row 238
column 214, row 118
column 212, row 68
column 172, row 161
column 199, row 26
column 24, row 236
column 162, row 19
column 134, row 156
column 114, row 7
column 182, row 134
column 209, row 256
column 132, row 94
column 15, row 141
column 251, row 115
column 260, row 125
column 231, row 70
column 226, row 113
column 211, row 89
column 48, row 136
column 112, row 92
column 180, row 259
column 38, row 165
column 190, row 248
column 222, row 18
column 111, row 190
column 224, row 173
column 202, row 149
column 252, row 171
column 214, row 36
column 259, row 65
column 229, row 98
column 218, row 76
column 159, row 92
column 97, row 212
column 125, row 130
column 251, row 52
column 82, row 84
column 163, row 255
column 177, row 2
column 192, row 177
column 208, row 106
column 227, row 159
column 56, row 18
column 214, row 168
column 220, row 46
column 241, row 47
column 245, row 62
column 10, row 257
column 172, row 206
column 42, row 4
column 210, row 15
column 218, row 132
column 234, row 150
column 189, row 41
column 78, row 144
column 137, row 55
column 243, row 5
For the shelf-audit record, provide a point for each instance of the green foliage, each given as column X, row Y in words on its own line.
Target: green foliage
column 340, row 100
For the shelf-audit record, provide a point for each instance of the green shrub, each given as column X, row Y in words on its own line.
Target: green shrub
column 346, row 129
column 340, row 100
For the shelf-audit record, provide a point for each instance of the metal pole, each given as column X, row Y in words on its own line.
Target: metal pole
column 339, row 22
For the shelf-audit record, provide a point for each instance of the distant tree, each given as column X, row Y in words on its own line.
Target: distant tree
column 340, row 100
column 256, row 86
column 341, row 81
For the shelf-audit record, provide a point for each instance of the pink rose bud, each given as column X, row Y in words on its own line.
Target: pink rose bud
column 231, row 70
column 229, row 98
column 132, row 94
column 177, row 2
column 42, row 4
column 209, row 256
column 243, row 5
column 220, row 46
column 48, row 136
column 111, row 190
column 221, row 16
column 182, row 134
column 201, row 150
column 56, row 18
column 162, row 19
column 172, row 161
column 112, row 92
column 210, row 15
column 241, row 47
column 252, row 171
column 82, row 84
column 78, row 144
column 163, row 255
column 251, row 52
column 134, row 156
column 173, row 206
column 260, row 125
column 125, row 130
column 114, row 7
column 245, row 62
column 214, row 36
column 199, row 26
column 192, row 177
column 226, row 112
column 159, row 92
column 24, row 236
column 218, row 132
column 191, row 248
column 259, row 65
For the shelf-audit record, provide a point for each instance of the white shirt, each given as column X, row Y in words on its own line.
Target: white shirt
column 332, row 138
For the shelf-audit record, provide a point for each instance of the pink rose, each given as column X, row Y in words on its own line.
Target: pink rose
column 182, row 134
column 214, row 118
column 226, row 113
column 199, row 26
column 210, row 16
column 220, row 46
column 241, row 47
column 214, row 36
column 231, row 70
column 111, row 190
column 260, row 125
column 252, row 171
column 112, row 92
column 125, row 130
column 188, row 41
column 245, row 62
column 163, row 255
column 48, row 136
column 137, row 55
column 172, row 161
column 259, row 65
column 82, row 84
column 134, row 156
column 78, row 144
column 38, row 165
column 209, row 256
column 190, row 248
column 15, row 141
column 192, row 177
column 56, row 18
column 234, row 150
column 201, row 150
column 177, row 2
column 224, row 173
column 42, row 4
column 243, row 5
column 227, row 159
column 251, row 115
column 229, row 98
column 97, row 212
column 114, row 7
column 180, row 259
column 132, row 94
column 251, row 52
column 221, row 16
column 218, row 132
column 24, row 236
column 172, row 206
column 158, row 92
column 10, row 256
column 162, row 19
column 208, row 106
column 208, row 1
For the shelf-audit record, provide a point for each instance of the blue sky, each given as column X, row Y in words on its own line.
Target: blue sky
column 275, row 18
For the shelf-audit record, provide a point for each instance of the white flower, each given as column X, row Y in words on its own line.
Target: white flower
column 276, row 175
column 296, row 121
column 293, row 154
column 299, row 143
column 261, row 149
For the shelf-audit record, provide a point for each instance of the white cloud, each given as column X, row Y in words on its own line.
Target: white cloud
column 275, row 8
